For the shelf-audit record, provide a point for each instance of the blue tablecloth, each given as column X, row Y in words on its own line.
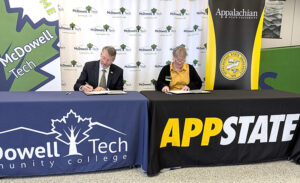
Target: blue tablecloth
column 44, row 133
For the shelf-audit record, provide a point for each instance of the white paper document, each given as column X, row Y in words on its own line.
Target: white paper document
column 188, row 92
column 111, row 92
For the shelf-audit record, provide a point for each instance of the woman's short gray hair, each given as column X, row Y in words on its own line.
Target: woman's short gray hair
column 179, row 51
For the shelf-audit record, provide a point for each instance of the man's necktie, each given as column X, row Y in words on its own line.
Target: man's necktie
column 103, row 79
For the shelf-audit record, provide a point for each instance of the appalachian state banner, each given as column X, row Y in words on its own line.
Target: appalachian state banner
column 234, row 41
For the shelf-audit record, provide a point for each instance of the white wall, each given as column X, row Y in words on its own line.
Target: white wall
column 296, row 24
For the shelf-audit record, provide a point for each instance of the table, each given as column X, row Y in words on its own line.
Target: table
column 44, row 133
column 221, row 128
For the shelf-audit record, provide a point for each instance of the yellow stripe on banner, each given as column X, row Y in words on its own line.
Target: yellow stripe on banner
column 256, row 54
column 211, row 55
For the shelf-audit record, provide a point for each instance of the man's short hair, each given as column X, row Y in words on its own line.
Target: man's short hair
column 110, row 50
column 179, row 51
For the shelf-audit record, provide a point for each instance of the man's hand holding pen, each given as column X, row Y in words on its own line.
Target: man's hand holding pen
column 100, row 89
column 86, row 88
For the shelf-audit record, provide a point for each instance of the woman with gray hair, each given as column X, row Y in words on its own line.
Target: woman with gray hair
column 178, row 75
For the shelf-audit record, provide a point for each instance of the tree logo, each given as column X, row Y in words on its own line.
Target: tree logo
column 153, row 81
column 86, row 47
column 196, row 27
column 169, row 27
column 106, row 27
column 123, row 46
column 71, row 130
column 123, row 12
column 168, row 62
column 183, row 11
column 153, row 10
column 102, row 29
column 122, row 49
column 165, row 31
column 150, row 49
column 90, row 46
column 138, row 63
column 150, row 13
column 82, row 11
column 122, row 9
column 195, row 62
column 137, row 30
column 179, row 13
column 72, row 26
column 88, row 8
column 73, row 62
column 154, row 46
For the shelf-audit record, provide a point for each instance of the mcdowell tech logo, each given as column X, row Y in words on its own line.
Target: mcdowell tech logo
column 179, row 13
column 87, row 47
column 72, row 28
column 236, row 14
column 121, row 12
column 202, row 47
column 85, row 11
column 195, row 29
column 202, row 12
column 72, row 63
column 122, row 49
column 153, row 13
column 137, row 65
column 103, row 30
column 62, row 144
column 153, row 49
column 146, row 85
column 137, row 29
column 165, row 30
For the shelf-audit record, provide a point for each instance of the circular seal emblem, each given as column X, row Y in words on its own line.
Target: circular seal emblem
column 233, row 65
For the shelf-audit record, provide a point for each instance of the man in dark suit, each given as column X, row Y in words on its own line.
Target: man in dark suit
column 101, row 75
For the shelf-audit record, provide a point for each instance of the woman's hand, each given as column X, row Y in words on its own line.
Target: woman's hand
column 186, row 88
column 165, row 89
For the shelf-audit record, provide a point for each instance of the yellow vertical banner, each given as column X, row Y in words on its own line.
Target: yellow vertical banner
column 234, row 41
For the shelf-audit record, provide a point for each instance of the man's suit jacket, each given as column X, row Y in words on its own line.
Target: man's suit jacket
column 90, row 74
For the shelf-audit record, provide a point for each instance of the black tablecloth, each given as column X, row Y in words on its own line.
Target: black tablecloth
column 255, row 126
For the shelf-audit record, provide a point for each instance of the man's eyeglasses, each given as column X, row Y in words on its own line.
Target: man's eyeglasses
column 105, row 59
column 179, row 60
